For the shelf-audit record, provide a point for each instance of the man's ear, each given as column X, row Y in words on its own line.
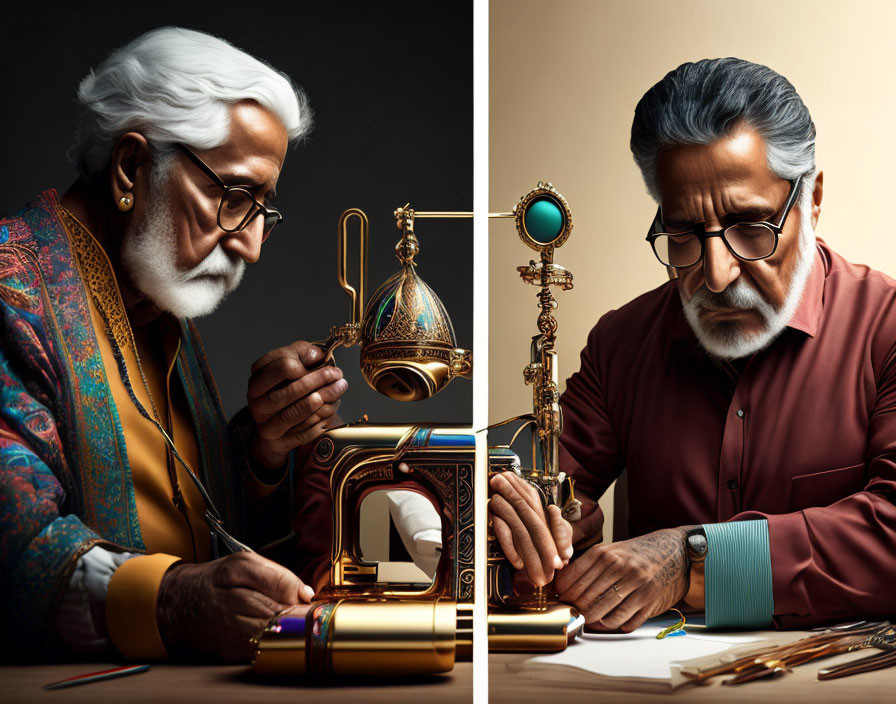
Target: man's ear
column 129, row 170
column 816, row 198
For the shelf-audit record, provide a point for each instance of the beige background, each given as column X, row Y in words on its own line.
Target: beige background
column 565, row 77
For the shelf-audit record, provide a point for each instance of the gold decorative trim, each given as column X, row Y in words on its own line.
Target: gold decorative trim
column 99, row 279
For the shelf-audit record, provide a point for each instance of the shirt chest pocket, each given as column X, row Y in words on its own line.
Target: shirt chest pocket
column 824, row 488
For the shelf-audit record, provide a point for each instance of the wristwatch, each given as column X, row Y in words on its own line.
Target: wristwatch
column 696, row 548
column 696, row 545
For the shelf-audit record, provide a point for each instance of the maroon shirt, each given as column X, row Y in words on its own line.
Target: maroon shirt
column 803, row 434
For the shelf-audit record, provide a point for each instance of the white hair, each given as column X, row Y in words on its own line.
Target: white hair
column 177, row 85
column 727, row 340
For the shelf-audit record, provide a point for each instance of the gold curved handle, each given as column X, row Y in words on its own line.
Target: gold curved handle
column 461, row 364
column 340, row 336
column 357, row 296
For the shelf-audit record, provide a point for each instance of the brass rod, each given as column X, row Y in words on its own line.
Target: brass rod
column 455, row 214
column 442, row 214
column 357, row 296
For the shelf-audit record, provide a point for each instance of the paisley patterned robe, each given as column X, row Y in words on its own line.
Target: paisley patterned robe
column 65, row 483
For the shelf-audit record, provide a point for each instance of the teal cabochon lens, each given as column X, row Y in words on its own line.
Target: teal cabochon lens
column 544, row 220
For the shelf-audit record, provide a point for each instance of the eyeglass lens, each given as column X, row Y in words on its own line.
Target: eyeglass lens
column 237, row 206
column 747, row 241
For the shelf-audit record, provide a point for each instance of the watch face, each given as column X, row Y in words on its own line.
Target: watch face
column 697, row 544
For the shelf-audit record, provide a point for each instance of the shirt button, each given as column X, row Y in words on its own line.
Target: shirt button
column 740, row 412
column 732, row 484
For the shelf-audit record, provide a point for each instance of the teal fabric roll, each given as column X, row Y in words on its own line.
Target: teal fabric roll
column 738, row 575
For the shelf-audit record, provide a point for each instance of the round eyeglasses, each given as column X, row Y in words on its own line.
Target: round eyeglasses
column 749, row 241
column 238, row 206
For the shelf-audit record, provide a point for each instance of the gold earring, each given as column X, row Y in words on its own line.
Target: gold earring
column 125, row 202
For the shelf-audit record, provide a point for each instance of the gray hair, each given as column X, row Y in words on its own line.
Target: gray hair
column 177, row 85
column 699, row 103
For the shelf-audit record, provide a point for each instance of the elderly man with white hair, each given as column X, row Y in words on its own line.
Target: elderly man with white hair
column 750, row 399
column 121, row 484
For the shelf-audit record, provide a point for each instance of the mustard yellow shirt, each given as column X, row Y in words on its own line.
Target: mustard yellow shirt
column 169, row 534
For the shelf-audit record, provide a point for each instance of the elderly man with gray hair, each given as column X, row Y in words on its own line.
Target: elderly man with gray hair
column 750, row 400
column 122, row 487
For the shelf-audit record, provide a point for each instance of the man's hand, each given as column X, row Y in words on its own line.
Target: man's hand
column 621, row 585
column 215, row 608
column 530, row 539
column 291, row 400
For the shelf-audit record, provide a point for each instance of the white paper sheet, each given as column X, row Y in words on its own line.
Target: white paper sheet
column 639, row 655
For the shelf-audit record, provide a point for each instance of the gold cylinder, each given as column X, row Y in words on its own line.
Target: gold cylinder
column 394, row 637
column 524, row 631
column 280, row 647
column 362, row 637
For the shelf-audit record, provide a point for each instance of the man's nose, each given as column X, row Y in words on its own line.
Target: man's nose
column 246, row 243
column 720, row 267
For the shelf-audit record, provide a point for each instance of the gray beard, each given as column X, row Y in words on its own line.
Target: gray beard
column 149, row 256
column 727, row 339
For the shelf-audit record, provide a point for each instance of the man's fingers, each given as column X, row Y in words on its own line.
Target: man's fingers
column 311, row 355
column 598, row 581
column 635, row 621
column 297, row 438
column 522, row 540
column 597, row 569
column 304, row 351
column 297, row 414
column 561, row 530
column 280, row 397
column 254, row 604
column 505, row 539
column 533, row 520
column 509, row 485
column 294, row 436
column 264, row 576
column 577, row 569
column 284, row 368
column 620, row 613
column 305, row 594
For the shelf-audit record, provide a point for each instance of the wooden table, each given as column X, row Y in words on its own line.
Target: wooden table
column 173, row 684
column 801, row 685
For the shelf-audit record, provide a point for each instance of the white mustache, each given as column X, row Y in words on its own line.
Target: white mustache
column 737, row 296
column 217, row 263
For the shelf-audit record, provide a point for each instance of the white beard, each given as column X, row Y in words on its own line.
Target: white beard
column 149, row 255
column 728, row 340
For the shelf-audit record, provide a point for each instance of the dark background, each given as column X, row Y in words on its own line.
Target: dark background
column 391, row 86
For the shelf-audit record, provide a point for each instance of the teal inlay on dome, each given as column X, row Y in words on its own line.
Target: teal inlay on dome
column 544, row 220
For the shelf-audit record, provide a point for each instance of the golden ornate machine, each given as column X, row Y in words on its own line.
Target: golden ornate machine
column 535, row 622
column 378, row 614
column 408, row 350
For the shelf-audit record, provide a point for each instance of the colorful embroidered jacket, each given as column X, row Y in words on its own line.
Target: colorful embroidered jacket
column 66, row 483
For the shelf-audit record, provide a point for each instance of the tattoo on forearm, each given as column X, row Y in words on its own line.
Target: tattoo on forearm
column 667, row 551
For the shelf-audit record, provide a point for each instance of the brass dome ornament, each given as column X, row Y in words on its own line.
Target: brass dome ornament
column 408, row 346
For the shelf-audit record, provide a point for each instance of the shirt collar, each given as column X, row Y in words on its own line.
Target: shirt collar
column 808, row 312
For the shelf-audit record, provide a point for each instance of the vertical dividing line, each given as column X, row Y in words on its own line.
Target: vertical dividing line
column 480, row 342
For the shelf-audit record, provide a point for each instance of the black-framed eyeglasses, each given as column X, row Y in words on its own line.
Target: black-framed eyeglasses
column 238, row 206
column 748, row 241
